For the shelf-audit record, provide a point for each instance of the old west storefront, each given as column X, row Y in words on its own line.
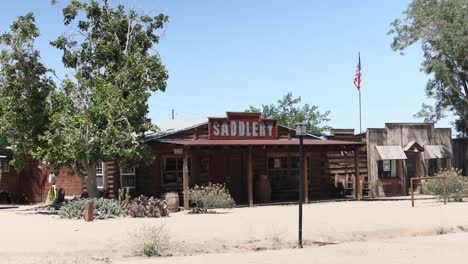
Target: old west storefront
column 401, row 151
column 239, row 150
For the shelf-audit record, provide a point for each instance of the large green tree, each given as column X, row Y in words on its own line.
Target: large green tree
column 289, row 112
column 441, row 26
column 100, row 113
column 24, row 89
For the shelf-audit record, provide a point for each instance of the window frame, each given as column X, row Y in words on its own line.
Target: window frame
column 289, row 172
column 179, row 180
column 5, row 165
column 440, row 164
column 393, row 173
column 100, row 175
column 126, row 174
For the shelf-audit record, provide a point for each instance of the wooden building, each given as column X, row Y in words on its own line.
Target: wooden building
column 399, row 152
column 460, row 154
column 240, row 150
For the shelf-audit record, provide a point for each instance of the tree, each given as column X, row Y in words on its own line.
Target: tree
column 24, row 89
column 101, row 113
column 289, row 113
column 441, row 26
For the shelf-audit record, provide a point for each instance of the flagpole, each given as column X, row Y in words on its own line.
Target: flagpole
column 360, row 119
column 360, row 116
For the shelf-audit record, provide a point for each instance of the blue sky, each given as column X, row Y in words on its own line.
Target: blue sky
column 227, row 55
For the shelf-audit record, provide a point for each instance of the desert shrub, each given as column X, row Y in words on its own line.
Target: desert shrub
column 150, row 240
column 209, row 197
column 457, row 185
column 440, row 230
column 103, row 208
column 147, row 207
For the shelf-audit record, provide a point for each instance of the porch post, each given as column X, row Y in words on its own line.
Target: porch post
column 306, row 184
column 250, row 178
column 185, row 177
column 357, row 176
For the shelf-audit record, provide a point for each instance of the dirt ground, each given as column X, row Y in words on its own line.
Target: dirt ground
column 29, row 236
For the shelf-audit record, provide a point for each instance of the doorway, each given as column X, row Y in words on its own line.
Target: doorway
column 411, row 169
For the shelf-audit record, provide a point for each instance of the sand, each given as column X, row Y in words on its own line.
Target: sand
column 27, row 236
column 414, row 250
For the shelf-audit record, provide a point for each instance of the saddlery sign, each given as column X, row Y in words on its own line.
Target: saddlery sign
column 242, row 126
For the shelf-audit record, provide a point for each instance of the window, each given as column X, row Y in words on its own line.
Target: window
column 127, row 177
column 387, row 169
column 4, row 165
column 283, row 172
column 172, row 170
column 433, row 166
column 99, row 174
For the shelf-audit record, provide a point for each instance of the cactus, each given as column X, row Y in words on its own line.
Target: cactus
column 124, row 197
column 104, row 208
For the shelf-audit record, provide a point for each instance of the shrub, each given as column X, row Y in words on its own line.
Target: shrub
column 457, row 185
column 440, row 230
column 147, row 207
column 103, row 208
column 209, row 197
column 150, row 241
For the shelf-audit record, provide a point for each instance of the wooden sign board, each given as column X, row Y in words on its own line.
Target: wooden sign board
column 242, row 126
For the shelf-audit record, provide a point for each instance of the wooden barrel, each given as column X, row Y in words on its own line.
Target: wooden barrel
column 172, row 201
column 263, row 189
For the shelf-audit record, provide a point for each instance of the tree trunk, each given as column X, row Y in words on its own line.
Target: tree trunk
column 90, row 180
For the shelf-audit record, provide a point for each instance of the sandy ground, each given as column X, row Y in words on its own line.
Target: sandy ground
column 27, row 236
column 414, row 250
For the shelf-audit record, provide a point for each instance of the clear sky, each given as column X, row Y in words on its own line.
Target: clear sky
column 226, row 55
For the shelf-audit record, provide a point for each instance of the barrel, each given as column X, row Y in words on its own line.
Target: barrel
column 263, row 189
column 172, row 201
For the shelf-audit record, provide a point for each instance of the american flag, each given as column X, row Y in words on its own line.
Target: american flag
column 357, row 75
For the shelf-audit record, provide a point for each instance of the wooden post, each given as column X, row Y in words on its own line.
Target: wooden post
column 445, row 191
column 250, row 178
column 185, row 178
column 89, row 211
column 412, row 192
column 357, row 178
column 306, row 184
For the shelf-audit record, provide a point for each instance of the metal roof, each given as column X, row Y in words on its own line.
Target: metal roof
column 437, row 152
column 170, row 127
column 391, row 152
column 261, row 142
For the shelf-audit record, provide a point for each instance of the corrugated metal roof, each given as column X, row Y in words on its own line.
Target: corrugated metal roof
column 170, row 127
column 391, row 152
column 261, row 142
column 437, row 152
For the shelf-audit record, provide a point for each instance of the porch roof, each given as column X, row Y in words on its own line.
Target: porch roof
column 437, row 152
column 390, row 152
column 262, row 142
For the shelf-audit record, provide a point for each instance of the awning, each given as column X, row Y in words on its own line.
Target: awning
column 413, row 146
column 390, row 152
column 437, row 152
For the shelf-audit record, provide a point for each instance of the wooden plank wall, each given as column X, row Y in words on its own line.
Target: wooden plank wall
column 401, row 134
column 460, row 154
column 339, row 166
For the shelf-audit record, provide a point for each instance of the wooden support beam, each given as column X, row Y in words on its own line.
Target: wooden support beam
column 185, row 178
column 250, row 178
column 357, row 178
column 306, row 181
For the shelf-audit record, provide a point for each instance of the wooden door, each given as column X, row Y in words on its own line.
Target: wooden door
column 411, row 169
column 235, row 172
